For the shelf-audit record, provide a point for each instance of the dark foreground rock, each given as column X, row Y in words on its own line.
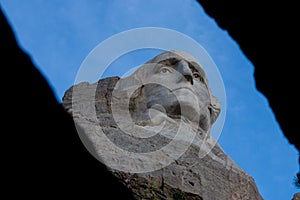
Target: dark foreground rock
column 42, row 155
column 267, row 34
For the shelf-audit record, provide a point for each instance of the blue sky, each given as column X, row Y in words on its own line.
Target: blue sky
column 58, row 35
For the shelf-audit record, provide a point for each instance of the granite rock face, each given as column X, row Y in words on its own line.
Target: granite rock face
column 201, row 169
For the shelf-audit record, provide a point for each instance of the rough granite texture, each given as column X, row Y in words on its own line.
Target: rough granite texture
column 215, row 176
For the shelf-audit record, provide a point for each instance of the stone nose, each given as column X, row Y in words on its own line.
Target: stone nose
column 184, row 69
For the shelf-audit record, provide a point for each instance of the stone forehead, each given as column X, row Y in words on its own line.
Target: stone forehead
column 174, row 54
column 181, row 55
column 144, row 72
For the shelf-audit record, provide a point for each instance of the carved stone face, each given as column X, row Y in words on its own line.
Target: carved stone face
column 174, row 83
column 181, row 89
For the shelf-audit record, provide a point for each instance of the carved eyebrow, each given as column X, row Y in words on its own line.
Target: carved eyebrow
column 197, row 67
column 169, row 62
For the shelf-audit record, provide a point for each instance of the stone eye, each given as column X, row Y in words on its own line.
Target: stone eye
column 198, row 76
column 164, row 70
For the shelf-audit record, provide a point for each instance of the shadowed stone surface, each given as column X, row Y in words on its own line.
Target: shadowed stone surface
column 145, row 112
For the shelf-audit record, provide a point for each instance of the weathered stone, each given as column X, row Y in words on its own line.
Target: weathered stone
column 152, row 130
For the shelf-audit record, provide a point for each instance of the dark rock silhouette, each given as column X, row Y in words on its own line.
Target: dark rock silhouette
column 266, row 33
column 43, row 155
